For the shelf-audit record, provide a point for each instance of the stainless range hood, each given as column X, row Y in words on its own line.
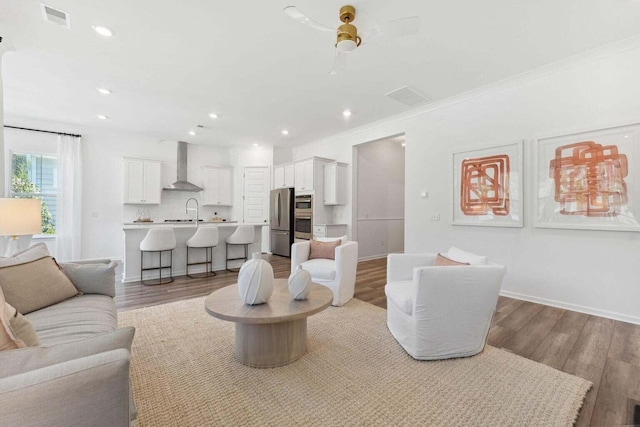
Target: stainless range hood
column 182, row 184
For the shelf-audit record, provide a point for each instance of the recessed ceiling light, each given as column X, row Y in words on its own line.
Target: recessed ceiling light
column 285, row 132
column 103, row 90
column 404, row 144
column 255, row 144
column 102, row 117
column 192, row 133
column 346, row 113
column 103, row 31
column 213, row 115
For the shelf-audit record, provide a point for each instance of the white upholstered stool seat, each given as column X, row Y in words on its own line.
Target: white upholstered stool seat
column 244, row 235
column 204, row 238
column 158, row 240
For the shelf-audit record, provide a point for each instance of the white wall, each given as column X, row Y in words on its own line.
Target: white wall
column 103, row 179
column 380, row 198
column 590, row 271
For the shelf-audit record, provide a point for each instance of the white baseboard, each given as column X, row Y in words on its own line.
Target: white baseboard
column 574, row 307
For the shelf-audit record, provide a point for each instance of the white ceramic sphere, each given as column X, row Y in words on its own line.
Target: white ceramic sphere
column 255, row 281
column 300, row 284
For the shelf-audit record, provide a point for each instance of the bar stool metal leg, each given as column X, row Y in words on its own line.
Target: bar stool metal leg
column 159, row 268
column 208, row 263
column 246, row 257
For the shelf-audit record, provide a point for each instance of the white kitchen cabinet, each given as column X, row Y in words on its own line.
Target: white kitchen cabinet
column 335, row 180
column 289, row 175
column 142, row 182
column 278, row 177
column 304, row 177
column 217, row 185
column 284, row 176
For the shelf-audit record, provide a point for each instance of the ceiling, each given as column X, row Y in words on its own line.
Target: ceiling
column 169, row 64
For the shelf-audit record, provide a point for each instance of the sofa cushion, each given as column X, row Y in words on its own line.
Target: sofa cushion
column 92, row 278
column 464, row 256
column 401, row 294
column 325, row 250
column 28, row 359
column 75, row 319
column 321, row 269
column 35, row 284
column 442, row 260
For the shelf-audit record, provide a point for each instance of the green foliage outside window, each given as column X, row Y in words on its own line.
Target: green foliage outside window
column 22, row 187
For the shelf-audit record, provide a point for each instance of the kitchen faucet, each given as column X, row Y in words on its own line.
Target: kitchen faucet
column 197, row 209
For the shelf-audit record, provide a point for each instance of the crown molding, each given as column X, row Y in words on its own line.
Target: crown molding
column 573, row 61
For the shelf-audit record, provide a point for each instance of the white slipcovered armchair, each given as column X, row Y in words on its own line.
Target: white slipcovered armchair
column 339, row 275
column 440, row 312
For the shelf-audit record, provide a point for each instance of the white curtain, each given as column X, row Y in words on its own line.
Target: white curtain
column 69, row 203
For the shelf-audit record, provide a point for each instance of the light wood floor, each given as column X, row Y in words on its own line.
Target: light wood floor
column 604, row 351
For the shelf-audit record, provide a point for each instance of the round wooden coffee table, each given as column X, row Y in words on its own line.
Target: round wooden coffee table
column 271, row 334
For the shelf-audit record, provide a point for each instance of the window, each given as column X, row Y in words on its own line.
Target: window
column 35, row 176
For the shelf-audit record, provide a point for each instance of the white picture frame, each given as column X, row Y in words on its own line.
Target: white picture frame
column 588, row 180
column 488, row 186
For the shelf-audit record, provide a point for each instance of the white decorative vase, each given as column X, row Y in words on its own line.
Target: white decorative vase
column 300, row 284
column 255, row 280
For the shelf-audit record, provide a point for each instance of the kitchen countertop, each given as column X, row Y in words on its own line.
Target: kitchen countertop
column 143, row 225
column 328, row 225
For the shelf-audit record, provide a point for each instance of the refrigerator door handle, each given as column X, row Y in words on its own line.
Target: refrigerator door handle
column 278, row 208
column 280, row 232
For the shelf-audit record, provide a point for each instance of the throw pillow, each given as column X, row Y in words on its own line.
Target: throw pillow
column 92, row 278
column 343, row 239
column 8, row 340
column 32, row 253
column 464, row 256
column 444, row 261
column 326, row 250
column 35, row 285
column 23, row 329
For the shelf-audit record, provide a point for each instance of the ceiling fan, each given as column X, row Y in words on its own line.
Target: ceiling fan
column 347, row 37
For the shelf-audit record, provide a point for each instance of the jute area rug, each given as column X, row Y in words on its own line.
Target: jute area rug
column 184, row 373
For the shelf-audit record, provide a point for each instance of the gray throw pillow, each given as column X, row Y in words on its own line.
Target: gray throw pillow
column 92, row 278
column 29, row 358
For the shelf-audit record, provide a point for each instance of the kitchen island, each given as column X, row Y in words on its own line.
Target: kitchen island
column 135, row 232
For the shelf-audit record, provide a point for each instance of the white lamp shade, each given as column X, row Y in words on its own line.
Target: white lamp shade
column 20, row 216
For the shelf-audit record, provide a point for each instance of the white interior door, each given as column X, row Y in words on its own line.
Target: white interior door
column 256, row 195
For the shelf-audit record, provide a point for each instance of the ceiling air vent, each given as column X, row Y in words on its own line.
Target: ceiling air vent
column 55, row 16
column 407, row 96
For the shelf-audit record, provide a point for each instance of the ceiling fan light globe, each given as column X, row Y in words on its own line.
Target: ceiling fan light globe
column 346, row 46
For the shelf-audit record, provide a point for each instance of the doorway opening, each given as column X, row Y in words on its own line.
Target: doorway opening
column 378, row 199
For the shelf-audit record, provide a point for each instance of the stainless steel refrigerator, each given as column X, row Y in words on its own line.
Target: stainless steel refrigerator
column 281, row 221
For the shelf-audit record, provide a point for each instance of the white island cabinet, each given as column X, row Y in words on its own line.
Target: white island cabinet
column 142, row 181
column 135, row 232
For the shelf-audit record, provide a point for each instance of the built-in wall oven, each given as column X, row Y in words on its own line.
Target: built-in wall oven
column 304, row 217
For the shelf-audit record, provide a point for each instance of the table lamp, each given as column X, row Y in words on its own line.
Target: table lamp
column 19, row 217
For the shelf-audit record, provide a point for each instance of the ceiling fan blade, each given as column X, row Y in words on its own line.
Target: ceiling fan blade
column 340, row 63
column 295, row 14
column 400, row 27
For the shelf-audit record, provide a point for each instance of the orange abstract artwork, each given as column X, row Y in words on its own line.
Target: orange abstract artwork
column 589, row 179
column 484, row 185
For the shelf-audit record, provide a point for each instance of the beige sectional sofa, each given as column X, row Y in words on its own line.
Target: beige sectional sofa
column 79, row 374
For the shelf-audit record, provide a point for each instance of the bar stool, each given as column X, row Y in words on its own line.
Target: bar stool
column 205, row 238
column 244, row 235
column 158, row 240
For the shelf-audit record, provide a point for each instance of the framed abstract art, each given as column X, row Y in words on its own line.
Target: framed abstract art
column 487, row 186
column 589, row 180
